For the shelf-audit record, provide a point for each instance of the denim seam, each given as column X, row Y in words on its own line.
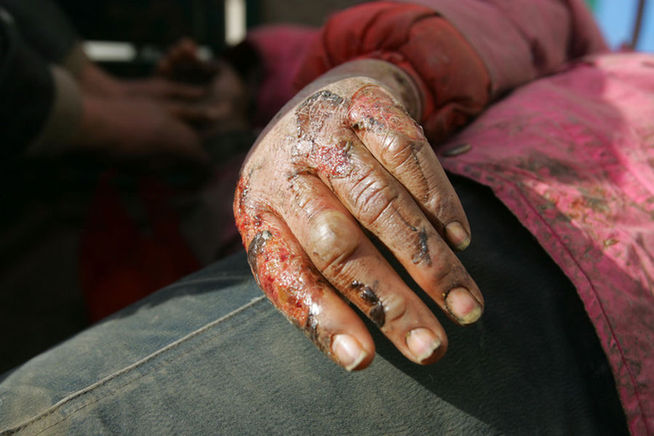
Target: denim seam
column 105, row 381
column 208, row 280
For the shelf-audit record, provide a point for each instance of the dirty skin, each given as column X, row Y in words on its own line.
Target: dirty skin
column 292, row 287
column 378, row 113
column 422, row 254
column 376, row 110
column 241, row 215
column 287, row 279
column 256, row 247
column 317, row 118
column 381, row 114
column 369, row 297
column 311, row 329
column 322, row 142
column 315, row 111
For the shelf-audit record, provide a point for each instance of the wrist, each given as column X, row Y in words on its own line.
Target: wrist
column 348, row 78
column 344, row 82
column 397, row 82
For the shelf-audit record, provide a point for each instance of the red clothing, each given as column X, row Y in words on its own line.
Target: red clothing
column 453, row 81
column 498, row 46
column 570, row 155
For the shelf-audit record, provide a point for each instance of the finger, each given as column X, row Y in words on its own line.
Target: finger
column 349, row 261
column 162, row 88
column 200, row 116
column 194, row 114
column 399, row 144
column 181, row 142
column 180, row 54
column 185, row 51
column 164, row 67
column 182, row 62
column 166, row 89
column 182, row 91
column 382, row 205
column 292, row 284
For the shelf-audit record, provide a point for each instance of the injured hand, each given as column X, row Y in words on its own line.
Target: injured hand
column 341, row 165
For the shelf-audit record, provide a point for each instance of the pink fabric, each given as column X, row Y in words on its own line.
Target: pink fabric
column 572, row 156
column 282, row 50
column 519, row 43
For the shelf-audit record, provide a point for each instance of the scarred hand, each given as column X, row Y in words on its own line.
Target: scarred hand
column 341, row 161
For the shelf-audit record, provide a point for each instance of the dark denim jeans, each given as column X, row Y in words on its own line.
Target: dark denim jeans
column 210, row 355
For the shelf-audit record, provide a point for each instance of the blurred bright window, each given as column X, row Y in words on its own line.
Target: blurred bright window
column 617, row 18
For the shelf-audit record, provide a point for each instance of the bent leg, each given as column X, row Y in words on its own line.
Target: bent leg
column 211, row 355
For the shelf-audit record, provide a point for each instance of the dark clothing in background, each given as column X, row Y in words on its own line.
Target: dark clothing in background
column 34, row 36
column 26, row 89
column 43, row 27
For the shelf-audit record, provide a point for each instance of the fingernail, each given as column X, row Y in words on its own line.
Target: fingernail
column 457, row 235
column 463, row 306
column 422, row 343
column 348, row 351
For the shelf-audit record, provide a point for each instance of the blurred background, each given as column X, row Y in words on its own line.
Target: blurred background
column 148, row 24
column 617, row 19
column 46, row 207
column 127, row 36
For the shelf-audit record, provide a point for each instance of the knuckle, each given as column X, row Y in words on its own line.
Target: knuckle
column 395, row 307
column 378, row 210
column 373, row 197
column 333, row 240
column 444, row 204
column 398, row 151
column 448, row 275
column 439, row 202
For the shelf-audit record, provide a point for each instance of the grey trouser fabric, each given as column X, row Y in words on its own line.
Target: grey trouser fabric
column 210, row 355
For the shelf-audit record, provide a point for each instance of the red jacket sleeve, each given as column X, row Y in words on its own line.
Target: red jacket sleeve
column 522, row 40
column 461, row 54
